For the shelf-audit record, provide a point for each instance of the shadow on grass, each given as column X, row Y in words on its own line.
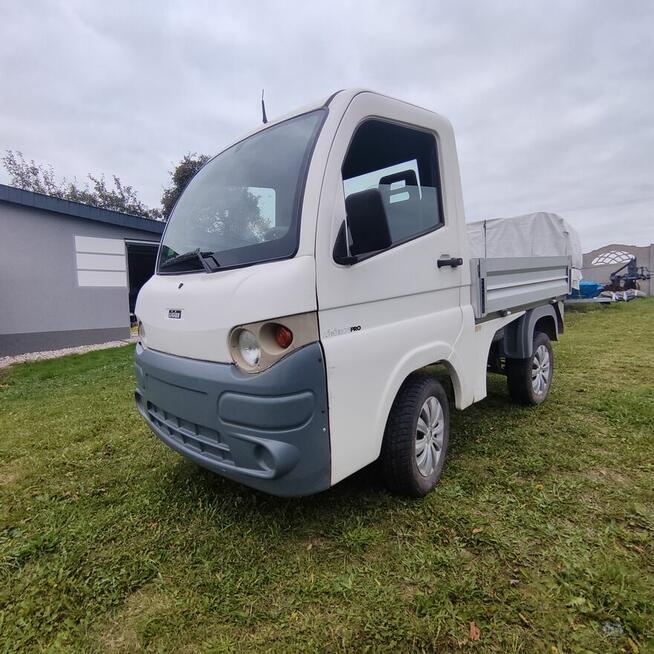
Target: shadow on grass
column 362, row 496
column 364, row 489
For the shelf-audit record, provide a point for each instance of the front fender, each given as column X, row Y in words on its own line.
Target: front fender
column 414, row 360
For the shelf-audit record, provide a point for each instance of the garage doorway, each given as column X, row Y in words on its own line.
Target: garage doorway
column 141, row 260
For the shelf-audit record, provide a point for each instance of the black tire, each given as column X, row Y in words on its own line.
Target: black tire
column 519, row 374
column 399, row 463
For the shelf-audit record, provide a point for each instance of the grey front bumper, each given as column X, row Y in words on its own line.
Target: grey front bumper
column 268, row 430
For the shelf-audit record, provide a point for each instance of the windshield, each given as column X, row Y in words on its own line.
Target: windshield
column 243, row 206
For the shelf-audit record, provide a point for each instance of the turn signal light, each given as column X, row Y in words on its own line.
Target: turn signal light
column 283, row 336
column 141, row 333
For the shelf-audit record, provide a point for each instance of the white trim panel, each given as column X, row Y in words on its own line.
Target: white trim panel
column 102, row 278
column 100, row 261
column 87, row 261
column 99, row 245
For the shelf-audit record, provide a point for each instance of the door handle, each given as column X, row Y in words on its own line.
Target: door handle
column 451, row 261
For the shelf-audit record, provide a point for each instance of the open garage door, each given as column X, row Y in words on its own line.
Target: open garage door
column 141, row 260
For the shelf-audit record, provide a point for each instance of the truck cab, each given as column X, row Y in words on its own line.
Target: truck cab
column 307, row 276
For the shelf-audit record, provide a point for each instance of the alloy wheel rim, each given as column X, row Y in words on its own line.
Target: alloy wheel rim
column 540, row 370
column 430, row 430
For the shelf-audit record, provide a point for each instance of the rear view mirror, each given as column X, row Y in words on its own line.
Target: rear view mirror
column 367, row 225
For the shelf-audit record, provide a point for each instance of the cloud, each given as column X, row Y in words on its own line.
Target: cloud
column 551, row 102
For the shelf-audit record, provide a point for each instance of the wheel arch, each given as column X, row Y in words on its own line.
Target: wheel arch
column 441, row 370
column 446, row 368
column 517, row 342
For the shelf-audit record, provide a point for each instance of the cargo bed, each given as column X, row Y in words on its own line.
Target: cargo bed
column 507, row 284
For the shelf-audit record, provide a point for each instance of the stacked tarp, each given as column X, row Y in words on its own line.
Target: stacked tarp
column 587, row 290
column 532, row 235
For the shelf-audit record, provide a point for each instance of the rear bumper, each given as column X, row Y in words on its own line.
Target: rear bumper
column 268, row 430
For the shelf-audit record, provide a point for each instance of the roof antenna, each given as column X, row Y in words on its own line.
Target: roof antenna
column 263, row 109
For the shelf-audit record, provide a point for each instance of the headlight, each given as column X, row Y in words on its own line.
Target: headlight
column 249, row 347
column 258, row 345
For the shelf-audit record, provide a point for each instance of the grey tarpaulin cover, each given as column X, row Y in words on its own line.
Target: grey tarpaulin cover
column 532, row 235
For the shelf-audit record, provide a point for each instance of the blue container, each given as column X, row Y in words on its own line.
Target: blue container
column 587, row 289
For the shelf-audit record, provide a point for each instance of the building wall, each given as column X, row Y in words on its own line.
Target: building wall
column 601, row 273
column 45, row 303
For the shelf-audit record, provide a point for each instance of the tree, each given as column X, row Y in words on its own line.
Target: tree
column 39, row 178
column 233, row 216
column 180, row 177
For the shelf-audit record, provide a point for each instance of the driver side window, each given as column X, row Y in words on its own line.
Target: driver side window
column 401, row 163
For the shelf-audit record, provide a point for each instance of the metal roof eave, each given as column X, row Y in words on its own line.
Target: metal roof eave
column 18, row 196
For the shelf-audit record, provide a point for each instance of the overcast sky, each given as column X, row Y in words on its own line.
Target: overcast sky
column 552, row 102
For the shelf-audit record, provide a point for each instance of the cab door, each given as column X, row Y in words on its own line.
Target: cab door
column 395, row 310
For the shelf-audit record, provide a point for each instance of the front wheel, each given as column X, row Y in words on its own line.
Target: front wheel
column 416, row 437
column 529, row 380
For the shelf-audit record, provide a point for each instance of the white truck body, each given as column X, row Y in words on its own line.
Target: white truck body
column 377, row 320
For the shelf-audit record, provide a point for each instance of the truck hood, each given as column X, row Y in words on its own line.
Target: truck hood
column 191, row 315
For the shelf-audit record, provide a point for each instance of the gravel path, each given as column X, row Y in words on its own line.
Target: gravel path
column 5, row 362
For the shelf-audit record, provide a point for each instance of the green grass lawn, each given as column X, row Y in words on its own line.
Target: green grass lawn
column 541, row 531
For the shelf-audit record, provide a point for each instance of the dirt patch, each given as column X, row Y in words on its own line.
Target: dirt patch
column 121, row 633
column 9, row 476
column 604, row 475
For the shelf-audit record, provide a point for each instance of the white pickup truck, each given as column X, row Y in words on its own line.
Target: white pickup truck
column 307, row 276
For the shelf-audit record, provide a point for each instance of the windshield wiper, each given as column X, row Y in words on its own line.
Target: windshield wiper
column 207, row 259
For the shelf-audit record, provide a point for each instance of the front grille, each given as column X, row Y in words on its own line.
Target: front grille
column 191, row 436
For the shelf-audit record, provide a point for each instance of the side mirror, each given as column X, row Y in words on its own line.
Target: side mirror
column 368, row 226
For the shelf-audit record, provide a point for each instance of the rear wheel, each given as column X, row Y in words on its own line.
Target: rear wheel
column 416, row 437
column 529, row 380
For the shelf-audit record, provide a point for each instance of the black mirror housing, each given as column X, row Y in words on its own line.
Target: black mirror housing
column 368, row 226
column 367, row 222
